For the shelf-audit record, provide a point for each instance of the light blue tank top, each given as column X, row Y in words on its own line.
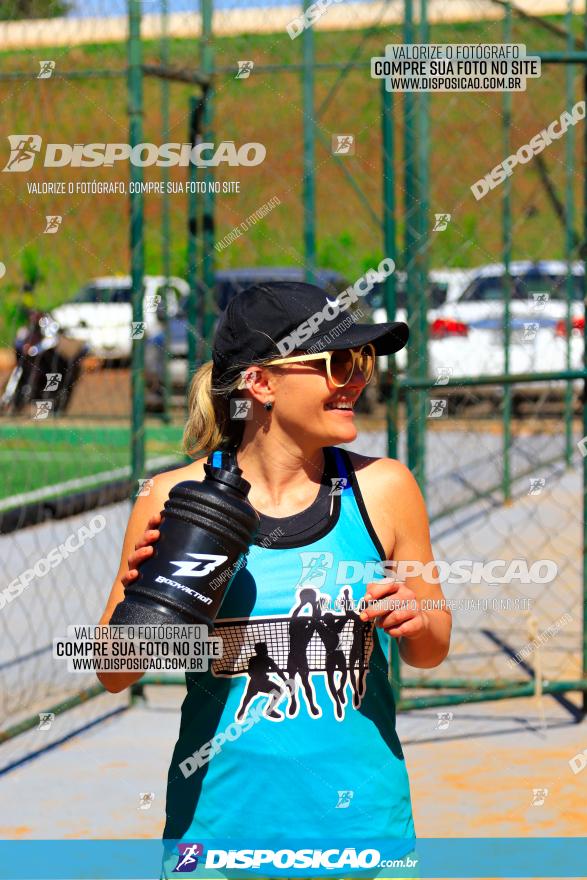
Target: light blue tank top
column 316, row 760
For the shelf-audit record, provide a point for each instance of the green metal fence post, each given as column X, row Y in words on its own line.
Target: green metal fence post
column 423, row 179
column 207, row 64
column 569, row 231
column 412, row 216
column 389, row 250
column 507, row 256
column 194, row 310
column 309, row 186
column 135, row 104
column 165, row 249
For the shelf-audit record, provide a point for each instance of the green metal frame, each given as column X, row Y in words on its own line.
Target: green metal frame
column 416, row 384
column 309, row 173
column 135, row 103
column 165, row 212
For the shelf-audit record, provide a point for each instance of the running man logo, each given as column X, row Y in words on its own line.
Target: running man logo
column 244, row 69
column 188, row 857
column 314, row 568
column 23, row 151
column 343, row 144
column 43, row 408
column 53, row 380
column 53, row 222
column 190, row 569
column 443, row 375
column 146, row 798
column 438, row 408
column 145, row 486
column 539, row 301
column 339, row 484
column 537, row 484
column 539, row 795
column 151, row 302
column 530, row 331
column 241, row 408
column 46, row 71
column 444, row 719
column 441, row 222
column 46, row 719
column 344, row 799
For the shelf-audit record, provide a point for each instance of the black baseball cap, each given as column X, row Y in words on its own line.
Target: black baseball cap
column 271, row 320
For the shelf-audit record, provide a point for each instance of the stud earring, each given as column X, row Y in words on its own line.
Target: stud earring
column 268, row 405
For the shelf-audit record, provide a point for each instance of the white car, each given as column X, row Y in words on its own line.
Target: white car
column 100, row 313
column 466, row 332
column 443, row 285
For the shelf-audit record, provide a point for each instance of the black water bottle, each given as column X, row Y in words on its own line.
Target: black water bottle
column 206, row 531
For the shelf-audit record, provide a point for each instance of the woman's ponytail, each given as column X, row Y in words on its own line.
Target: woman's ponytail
column 209, row 425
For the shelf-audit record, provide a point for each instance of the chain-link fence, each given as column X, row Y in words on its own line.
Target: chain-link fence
column 351, row 173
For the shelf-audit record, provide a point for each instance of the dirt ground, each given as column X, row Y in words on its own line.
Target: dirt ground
column 498, row 769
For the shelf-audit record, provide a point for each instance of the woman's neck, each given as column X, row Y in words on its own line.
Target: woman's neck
column 282, row 474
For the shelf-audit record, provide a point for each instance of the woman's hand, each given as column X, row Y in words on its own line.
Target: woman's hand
column 394, row 607
column 143, row 549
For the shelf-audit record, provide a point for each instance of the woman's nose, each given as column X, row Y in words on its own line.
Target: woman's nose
column 357, row 378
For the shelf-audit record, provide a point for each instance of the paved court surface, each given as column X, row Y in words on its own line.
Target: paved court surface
column 546, row 525
column 475, row 777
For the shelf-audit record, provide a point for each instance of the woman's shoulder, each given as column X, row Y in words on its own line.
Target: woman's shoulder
column 164, row 482
column 381, row 482
column 380, row 470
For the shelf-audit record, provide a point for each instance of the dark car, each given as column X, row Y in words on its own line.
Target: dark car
column 229, row 282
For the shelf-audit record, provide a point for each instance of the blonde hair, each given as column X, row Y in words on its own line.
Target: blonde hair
column 208, row 424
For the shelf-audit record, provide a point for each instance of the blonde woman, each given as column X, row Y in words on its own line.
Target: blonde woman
column 301, row 695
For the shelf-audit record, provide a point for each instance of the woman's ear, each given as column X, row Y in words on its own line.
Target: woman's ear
column 259, row 382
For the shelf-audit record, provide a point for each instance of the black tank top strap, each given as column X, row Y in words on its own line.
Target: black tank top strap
column 308, row 525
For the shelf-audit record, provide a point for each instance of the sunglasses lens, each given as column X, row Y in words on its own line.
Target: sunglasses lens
column 341, row 366
column 367, row 363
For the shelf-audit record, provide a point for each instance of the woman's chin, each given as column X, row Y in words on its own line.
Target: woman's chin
column 344, row 433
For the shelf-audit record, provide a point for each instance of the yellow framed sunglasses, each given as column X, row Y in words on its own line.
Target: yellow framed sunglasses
column 340, row 365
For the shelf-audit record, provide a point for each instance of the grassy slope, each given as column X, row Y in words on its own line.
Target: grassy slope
column 466, row 142
column 42, row 455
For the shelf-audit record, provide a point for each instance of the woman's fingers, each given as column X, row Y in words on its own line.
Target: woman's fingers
column 139, row 556
column 386, row 587
column 143, row 549
column 408, row 629
column 149, row 537
column 397, row 617
column 389, row 605
column 129, row 576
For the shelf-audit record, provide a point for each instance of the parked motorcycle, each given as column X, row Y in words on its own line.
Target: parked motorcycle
column 48, row 364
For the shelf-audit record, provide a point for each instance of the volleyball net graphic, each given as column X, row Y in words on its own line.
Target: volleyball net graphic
column 240, row 639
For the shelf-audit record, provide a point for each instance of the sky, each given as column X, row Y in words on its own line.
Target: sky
column 84, row 8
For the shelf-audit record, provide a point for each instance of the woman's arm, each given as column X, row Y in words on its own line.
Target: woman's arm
column 424, row 635
column 141, row 531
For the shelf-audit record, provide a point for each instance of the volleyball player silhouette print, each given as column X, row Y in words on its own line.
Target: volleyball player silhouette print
column 296, row 649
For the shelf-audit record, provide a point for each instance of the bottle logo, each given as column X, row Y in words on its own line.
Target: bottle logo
column 202, row 565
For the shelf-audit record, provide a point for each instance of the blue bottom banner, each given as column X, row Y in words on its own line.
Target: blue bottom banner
column 229, row 858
